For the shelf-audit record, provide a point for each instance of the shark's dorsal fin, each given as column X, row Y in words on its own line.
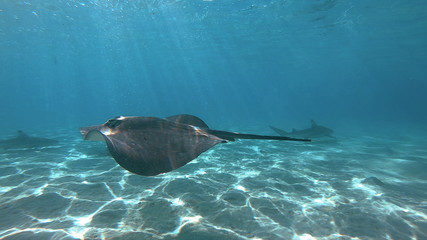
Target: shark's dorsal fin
column 313, row 123
column 21, row 134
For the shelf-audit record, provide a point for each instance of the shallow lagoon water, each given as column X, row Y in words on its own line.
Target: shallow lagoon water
column 358, row 187
column 346, row 64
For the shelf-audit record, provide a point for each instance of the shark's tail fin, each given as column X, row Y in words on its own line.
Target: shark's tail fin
column 280, row 131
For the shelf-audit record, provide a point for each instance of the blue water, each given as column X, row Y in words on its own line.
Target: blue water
column 358, row 67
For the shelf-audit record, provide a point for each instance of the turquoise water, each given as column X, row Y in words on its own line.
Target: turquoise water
column 364, row 187
column 357, row 67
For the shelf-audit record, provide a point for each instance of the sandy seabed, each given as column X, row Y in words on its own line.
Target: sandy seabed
column 361, row 187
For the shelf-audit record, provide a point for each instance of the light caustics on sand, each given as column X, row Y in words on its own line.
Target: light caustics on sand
column 264, row 190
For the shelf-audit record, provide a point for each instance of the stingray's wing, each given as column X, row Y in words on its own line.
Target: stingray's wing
column 150, row 146
column 188, row 119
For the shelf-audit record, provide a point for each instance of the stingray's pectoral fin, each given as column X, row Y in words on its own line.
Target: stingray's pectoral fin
column 233, row 136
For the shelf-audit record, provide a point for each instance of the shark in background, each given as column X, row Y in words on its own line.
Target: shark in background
column 24, row 141
column 315, row 131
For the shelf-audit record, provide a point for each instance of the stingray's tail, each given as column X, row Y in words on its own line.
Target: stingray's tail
column 231, row 136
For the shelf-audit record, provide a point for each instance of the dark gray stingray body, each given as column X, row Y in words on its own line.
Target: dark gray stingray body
column 22, row 140
column 315, row 131
column 150, row 146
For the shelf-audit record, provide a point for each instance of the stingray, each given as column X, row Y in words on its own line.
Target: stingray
column 22, row 140
column 314, row 131
column 149, row 146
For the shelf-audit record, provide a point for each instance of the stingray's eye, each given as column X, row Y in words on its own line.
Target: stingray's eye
column 113, row 123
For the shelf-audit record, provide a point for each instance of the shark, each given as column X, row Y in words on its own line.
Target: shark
column 314, row 131
column 24, row 141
